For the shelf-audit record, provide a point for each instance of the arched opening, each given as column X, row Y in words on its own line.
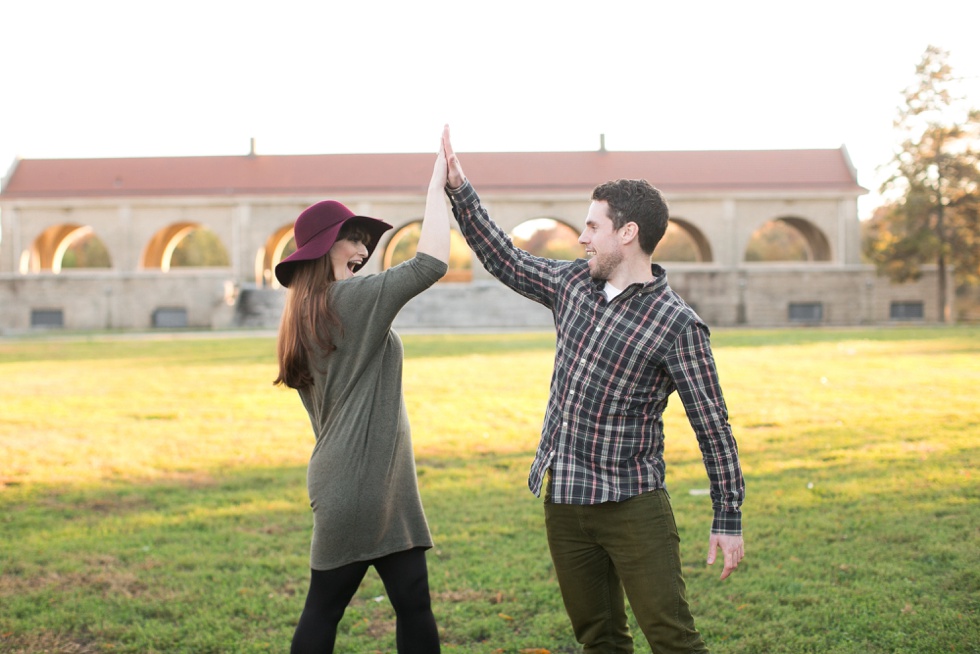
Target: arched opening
column 277, row 247
column 184, row 245
column 403, row 243
column 816, row 240
column 549, row 238
column 66, row 246
column 788, row 239
column 682, row 242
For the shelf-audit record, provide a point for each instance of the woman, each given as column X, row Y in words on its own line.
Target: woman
column 337, row 349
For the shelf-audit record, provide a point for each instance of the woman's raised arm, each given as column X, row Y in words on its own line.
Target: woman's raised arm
column 434, row 239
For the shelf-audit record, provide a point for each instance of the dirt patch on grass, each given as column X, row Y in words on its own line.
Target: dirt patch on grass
column 458, row 596
column 102, row 574
column 43, row 642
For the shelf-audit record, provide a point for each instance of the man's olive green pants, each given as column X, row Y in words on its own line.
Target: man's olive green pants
column 601, row 550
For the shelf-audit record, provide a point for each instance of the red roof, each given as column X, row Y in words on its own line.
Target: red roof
column 528, row 172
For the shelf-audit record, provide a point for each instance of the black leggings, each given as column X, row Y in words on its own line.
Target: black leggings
column 406, row 579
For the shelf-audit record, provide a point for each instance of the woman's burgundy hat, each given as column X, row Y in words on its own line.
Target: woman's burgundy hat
column 316, row 231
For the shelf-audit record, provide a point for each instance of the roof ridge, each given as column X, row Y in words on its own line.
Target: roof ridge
column 386, row 172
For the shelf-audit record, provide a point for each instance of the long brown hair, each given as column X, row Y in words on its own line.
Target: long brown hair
column 308, row 317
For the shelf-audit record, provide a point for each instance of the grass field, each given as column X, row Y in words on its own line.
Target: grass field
column 153, row 499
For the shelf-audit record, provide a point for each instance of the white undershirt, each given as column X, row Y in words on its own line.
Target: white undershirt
column 611, row 291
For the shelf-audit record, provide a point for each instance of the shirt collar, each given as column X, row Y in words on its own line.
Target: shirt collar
column 658, row 283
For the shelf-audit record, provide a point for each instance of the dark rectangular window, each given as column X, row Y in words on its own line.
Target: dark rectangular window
column 170, row 317
column 805, row 311
column 47, row 318
column 906, row 311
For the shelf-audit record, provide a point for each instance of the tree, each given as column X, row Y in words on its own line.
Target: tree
column 552, row 240
column 932, row 212
column 87, row 252
column 200, row 248
column 777, row 241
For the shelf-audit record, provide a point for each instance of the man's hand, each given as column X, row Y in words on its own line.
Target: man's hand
column 456, row 176
column 732, row 548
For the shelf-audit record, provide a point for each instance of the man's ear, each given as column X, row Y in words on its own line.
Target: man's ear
column 630, row 232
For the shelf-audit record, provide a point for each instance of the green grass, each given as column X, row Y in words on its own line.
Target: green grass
column 153, row 499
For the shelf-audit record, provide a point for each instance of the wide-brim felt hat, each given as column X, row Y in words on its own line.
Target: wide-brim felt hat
column 316, row 231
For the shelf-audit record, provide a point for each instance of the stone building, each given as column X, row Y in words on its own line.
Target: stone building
column 140, row 210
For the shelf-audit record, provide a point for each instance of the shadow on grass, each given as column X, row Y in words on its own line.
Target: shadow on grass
column 863, row 557
column 182, row 565
column 205, row 350
column 243, row 350
column 868, row 559
column 219, row 562
column 966, row 335
column 239, row 350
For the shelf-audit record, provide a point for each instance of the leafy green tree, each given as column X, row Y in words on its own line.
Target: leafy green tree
column 200, row 248
column 87, row 252
column 555, row 242
column 777, row 241
column 406, row 242
column 676, row 245
column 932, row 214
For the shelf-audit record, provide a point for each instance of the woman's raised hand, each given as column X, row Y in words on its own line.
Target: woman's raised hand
column 440, row 170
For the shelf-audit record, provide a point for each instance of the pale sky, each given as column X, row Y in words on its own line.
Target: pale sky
column 106, row 78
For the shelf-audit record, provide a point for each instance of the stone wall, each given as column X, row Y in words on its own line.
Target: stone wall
column 761, row 296
column 200, row 299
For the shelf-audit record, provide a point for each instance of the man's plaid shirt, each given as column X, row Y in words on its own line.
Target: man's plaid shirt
column 616, row 362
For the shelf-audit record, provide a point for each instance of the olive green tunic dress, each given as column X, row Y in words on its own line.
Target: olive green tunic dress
column 361, row 477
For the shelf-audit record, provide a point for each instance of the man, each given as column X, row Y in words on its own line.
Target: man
column 625, row 342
